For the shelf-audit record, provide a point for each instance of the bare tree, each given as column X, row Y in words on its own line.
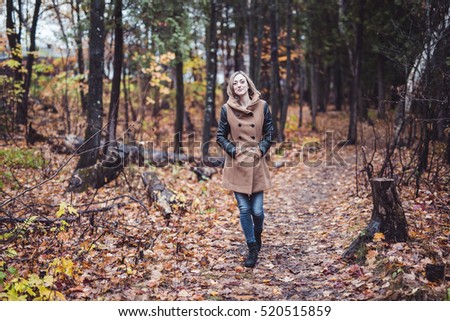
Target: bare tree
column 287, row 87
column 417, row 71
column 117, row 72
column 22, row 110
column 90, row 150
column 14, row 43
column 355, row 56
column 79, row 44
column 211, row 61
column 275, row 79
column 180, row 101
column 66, row 42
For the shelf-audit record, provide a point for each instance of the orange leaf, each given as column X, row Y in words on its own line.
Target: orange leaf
column 378, row 237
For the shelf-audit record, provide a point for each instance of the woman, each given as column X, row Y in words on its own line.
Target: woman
column 246, row 133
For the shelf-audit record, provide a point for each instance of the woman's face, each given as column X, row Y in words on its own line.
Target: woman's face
column 240, row 85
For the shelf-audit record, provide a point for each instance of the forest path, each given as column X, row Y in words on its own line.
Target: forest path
column 305, row 234
column 303, row 238
column 303, row 241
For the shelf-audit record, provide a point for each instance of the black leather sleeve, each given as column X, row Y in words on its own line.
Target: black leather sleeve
column 268, row 137
column 222, row 134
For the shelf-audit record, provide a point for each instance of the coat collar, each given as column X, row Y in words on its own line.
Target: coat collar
column 234, row 103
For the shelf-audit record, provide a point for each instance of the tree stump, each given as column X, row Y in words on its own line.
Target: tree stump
column 388, row 216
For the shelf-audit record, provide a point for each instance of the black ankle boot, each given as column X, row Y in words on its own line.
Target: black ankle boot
column 258, row 240
column 252, row 257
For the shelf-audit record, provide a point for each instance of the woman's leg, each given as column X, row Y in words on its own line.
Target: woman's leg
column 245, row 215
column 248, row 204
column 257, row 201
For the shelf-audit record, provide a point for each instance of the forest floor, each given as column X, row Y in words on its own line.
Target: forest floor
column 120, row 247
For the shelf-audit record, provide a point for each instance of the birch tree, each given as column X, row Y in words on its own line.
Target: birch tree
column 417, row 71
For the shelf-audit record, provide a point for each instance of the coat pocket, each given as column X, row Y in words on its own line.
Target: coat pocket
column 248, row 155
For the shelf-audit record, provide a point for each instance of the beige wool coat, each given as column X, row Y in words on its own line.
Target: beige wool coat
column 245, row 168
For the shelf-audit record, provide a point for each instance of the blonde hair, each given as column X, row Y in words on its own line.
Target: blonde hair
column 252, row 91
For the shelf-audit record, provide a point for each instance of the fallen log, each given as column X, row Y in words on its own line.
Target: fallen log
column 204, row 173
column 94, row 176
column 388, row 217
column 69, row 145
column 136, row 153
column 162, row 198
column 119, row 157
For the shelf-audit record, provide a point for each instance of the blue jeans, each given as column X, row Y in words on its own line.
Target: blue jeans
column 251, row 214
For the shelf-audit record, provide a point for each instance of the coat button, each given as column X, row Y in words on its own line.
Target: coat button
column 239, row 125
column 253, row 125
column 253, row 137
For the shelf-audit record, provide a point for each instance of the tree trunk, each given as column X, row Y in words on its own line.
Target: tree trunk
column 324, row 88
column 189, row 125
column 362, row 108
column 226, row 47
column 22, row 111
column 301, row 94
column 355, row 56
column 388, row 216
column 337, row 82
column 260, row 9
column 65, row 101
column 126, row 102
column 180, row 102
column 443, row 121
column 15, row 47
column 399, row 120
column 423, row 148
column 80, row 56
column 275, row 78
column 90, row 151
column 117, row 73
column 342, row 32
column 352, row 127
column 314, row 93
column 253, row 4
column 381, row 94
column 300, row 66
column 287, row 87
column 211, row 61
column 214, row 122
column 239, row 14
column 418, row 70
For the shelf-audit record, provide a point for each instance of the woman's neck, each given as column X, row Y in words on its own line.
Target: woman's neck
column 244, row 100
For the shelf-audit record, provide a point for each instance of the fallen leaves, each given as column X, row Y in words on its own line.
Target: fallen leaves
column 312, row 215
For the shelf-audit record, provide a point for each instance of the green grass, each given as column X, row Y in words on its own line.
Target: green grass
column 23, row 158
column 18, row 158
